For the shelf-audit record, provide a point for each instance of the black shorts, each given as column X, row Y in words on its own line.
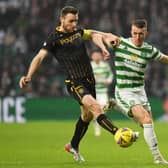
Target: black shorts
column 81, row 87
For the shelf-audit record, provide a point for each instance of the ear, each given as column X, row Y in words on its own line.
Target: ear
column 131, row 29
column 147, row 33
column 61, row 19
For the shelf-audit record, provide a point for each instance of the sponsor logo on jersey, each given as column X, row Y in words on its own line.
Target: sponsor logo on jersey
column 132, row 63
column 70, row 39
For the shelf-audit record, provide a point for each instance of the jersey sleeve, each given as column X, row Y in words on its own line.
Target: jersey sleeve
column 86, row 34
column 49, row 43
column 156, row 54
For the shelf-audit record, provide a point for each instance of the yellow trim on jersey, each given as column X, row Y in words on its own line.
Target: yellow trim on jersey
column 86, row 34
column 58, row 28
column 67, row 81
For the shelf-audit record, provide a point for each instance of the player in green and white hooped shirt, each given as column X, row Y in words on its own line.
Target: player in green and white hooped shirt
column 132, row 56
column 103, row 77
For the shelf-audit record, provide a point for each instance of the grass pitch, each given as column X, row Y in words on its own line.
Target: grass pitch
column 41, row 145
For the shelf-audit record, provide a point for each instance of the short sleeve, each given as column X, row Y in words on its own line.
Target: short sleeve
column 156, row 54
column 49, row 43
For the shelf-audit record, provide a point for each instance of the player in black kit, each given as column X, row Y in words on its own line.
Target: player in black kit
column 66, row 44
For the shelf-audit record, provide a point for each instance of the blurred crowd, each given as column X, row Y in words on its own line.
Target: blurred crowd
column 25, row 25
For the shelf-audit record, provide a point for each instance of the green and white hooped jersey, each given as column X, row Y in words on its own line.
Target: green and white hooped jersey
column 102, row 72
column 131, row 62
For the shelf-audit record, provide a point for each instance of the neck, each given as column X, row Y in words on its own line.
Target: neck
column 135, row 44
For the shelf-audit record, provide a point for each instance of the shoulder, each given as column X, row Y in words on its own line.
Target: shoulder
column 125, row 41
column 147, row 45
column 86, row 33
column 53, row 35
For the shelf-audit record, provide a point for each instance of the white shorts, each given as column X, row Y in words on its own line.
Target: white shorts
column 126, row 98
column 102, row 98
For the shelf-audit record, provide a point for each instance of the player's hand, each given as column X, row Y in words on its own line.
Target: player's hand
column 115, row 43
column 24, row 81
column 111, row 40
column 106, row 54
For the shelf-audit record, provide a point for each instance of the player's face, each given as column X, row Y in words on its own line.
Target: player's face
column 69, row 22
column 138, row 35
column 96, row 56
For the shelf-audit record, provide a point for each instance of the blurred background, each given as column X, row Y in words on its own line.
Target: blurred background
column 24, row 25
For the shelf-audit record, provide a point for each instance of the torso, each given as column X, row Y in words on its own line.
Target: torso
column 70, row 51
column 131, row 62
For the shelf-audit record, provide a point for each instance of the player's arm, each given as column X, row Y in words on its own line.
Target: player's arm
column 109, row 39
column 164, row 59
column 34, row 66
column 97, row 39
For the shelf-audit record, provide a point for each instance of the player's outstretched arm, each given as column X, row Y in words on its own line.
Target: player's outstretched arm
column 109, row 39
column 35, row 64
column 164, row 59
column 98, row 40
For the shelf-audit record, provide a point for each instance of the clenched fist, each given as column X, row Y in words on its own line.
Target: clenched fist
column 24, row 81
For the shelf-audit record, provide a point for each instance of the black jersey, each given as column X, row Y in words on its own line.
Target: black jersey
column 70, row 52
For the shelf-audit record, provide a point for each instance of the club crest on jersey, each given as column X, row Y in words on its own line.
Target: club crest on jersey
column 81, row 90
column 134, row 57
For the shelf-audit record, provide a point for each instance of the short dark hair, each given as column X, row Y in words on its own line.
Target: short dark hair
column 140, row 23
column 68, row 9
column 95, row 50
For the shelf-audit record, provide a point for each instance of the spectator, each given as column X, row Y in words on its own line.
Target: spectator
column 25, row 24
column 164, row 117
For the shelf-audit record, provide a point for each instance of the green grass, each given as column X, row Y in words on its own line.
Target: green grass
column 41, row 145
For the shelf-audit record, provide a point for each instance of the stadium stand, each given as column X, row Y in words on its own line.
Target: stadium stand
column 25, row 24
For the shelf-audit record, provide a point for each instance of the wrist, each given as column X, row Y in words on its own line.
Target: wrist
column 28, row 78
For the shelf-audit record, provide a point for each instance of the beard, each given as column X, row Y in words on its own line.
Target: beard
column 67, row 29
